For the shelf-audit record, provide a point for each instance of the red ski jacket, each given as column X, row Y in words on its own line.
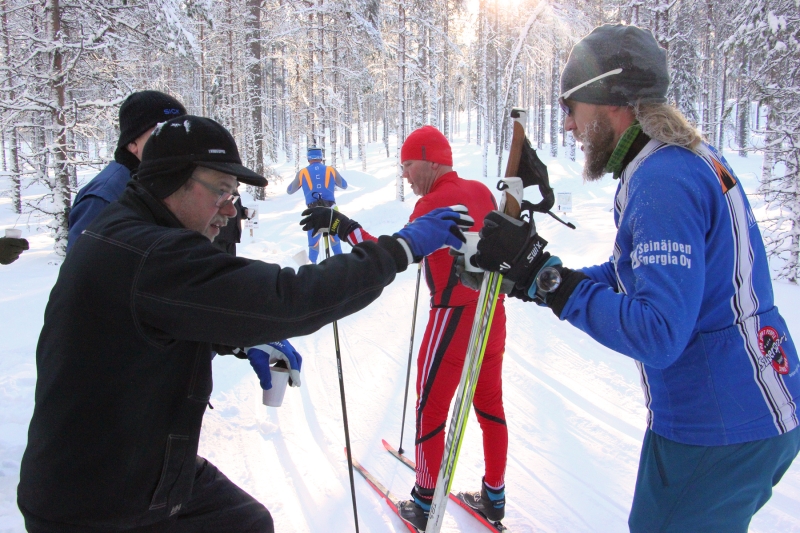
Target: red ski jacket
column 440, row 272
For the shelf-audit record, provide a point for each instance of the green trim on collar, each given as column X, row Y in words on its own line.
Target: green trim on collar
column 615, row 161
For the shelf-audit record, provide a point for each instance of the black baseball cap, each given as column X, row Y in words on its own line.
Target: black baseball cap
column 176, row 147
column 138, row 113
column 616, row 65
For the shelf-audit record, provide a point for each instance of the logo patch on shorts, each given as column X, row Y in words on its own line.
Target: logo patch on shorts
column 769, row 342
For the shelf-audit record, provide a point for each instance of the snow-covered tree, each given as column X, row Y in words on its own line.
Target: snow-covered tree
column 770, row 30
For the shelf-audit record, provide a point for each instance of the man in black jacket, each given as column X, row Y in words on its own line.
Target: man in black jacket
column 124, row 357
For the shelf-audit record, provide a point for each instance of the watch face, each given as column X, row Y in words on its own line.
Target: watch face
column 548, row 279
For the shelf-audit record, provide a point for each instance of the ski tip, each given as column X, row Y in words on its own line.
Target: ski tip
column 391, row 449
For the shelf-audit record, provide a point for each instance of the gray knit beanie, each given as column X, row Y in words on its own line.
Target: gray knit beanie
column 616, row 65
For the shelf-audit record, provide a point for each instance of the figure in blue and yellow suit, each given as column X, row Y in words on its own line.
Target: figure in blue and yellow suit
column 318, row 182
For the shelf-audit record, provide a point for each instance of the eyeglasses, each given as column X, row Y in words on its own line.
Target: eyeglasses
column 224, row 198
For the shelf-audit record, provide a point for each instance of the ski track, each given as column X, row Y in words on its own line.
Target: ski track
column 574, row 409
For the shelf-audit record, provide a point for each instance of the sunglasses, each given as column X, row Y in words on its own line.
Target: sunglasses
column 561, row 99
column 224, row 197
column 565, row 107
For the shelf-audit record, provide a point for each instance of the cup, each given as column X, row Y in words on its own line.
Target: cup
column 13, row 233
column 274, row 396
column 470, row 249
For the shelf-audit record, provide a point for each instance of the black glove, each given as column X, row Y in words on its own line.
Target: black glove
column 329, row 220
column 511, row 247
column 11, row 248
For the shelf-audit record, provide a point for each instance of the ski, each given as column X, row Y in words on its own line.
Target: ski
column 402, row 458
column 457, row 498
column 390, row 499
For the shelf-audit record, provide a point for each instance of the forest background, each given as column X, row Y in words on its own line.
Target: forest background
column 285, row 74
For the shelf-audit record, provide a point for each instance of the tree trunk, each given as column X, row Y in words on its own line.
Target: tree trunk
column 362, row 149
column 555, row 109
column 723, row 107
column 322, row 119
column 287, row 115
column 60, row 183
column 484, row 91
column 446, row 71
column 10, row 140
column 348, row 117
column 334, row 118
column 386, row 107
column 231, row 73
column 743, row 122
column 255, row 92
column 771, row 140
column 401, row 96
column 540, row 138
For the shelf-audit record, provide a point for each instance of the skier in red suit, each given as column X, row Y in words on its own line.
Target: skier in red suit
column 427, row 162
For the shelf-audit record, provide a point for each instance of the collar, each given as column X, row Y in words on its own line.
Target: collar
column 137, row 197
column 448, row 176
column 127, row 159
column 615, row 162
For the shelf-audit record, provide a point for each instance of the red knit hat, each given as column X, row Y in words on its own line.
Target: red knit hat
column 427, row 144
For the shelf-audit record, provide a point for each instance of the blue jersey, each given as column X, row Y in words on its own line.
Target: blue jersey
column 103, row 189
column 318, row 182
column 688, row 295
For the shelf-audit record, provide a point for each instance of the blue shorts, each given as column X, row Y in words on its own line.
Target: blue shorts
column 682, row 488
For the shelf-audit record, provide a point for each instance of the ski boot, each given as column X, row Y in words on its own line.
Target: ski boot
column 413, row 514
column 491, row 503
column 415, row 511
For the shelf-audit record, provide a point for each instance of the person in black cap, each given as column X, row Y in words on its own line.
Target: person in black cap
column 138, row 115
column 687, row 293
column 124, row 356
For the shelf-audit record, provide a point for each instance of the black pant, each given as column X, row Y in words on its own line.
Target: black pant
column 217, row 505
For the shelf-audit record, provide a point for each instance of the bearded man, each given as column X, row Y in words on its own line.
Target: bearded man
column 687, row 293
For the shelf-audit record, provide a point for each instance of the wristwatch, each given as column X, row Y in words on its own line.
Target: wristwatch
column 546, row 282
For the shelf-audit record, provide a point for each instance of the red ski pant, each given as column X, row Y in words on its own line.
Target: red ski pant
column 439, row 366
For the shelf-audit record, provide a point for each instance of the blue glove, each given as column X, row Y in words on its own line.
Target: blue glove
column 262, row 355
column 441, row 227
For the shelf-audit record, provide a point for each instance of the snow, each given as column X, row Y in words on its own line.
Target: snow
column 574, row 409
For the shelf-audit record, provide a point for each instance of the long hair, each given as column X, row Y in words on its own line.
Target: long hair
column 667, row 124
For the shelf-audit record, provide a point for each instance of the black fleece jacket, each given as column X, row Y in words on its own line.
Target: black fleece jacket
column 124, row 357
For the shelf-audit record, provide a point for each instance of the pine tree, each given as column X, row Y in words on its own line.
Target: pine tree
column 772, row 27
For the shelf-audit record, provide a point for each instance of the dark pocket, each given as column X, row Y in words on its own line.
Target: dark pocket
column 174, row 488
column 201, row 383
column 662, row 471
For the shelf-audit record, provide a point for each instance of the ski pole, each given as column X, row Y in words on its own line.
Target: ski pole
column 410, row 355
column 344, row 404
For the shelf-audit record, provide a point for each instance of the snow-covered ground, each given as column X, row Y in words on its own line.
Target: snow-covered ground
column 574, row 409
